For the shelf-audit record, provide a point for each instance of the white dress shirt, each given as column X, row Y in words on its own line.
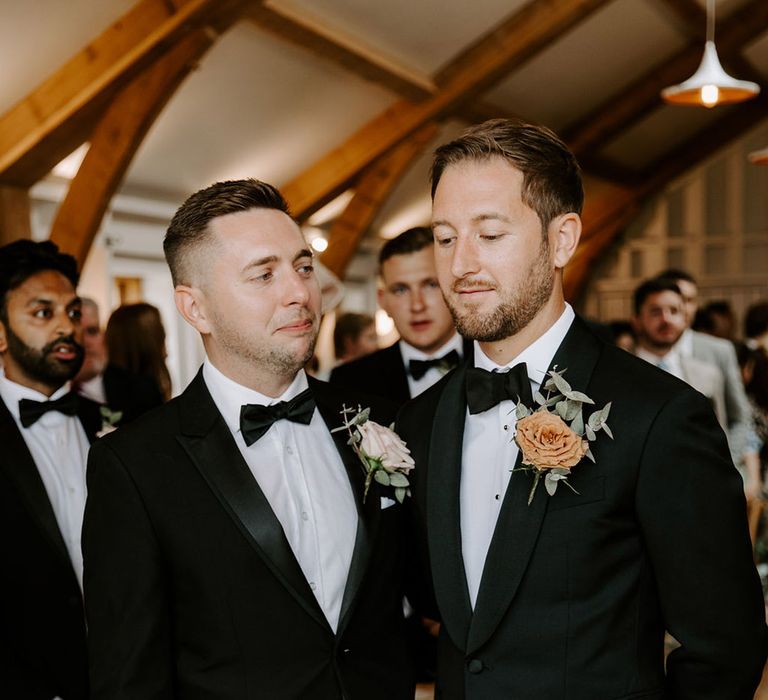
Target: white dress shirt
column 433, row 374
column 305, row 482
column 489, row 452
column 59, row 448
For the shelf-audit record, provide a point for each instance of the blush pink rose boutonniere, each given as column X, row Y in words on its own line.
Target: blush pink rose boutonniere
column 554, row 437
column 382, row 453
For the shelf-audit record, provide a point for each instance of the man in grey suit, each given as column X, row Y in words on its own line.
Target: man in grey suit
column 722, row 354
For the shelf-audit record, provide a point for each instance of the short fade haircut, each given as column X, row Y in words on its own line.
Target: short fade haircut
column 189, row 227
column 551, row 176
column 411, row 241
column 654, row 286
column 349, row 325
column 23, row 259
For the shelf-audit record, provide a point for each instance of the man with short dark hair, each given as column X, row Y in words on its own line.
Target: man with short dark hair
column 547, row 591
column 354, row 336
column 659, row 321
column 230, row 551
column 45, row 432
column 429, row 345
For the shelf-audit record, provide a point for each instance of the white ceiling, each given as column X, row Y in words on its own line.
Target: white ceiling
column 260, row 106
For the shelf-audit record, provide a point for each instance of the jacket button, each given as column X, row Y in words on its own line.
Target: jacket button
column 475, row 666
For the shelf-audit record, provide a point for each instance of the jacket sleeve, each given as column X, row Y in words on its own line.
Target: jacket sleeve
column 736, row 405
column 691, row 508
column 125, row 588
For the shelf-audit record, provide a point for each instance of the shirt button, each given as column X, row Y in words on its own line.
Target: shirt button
column 304, row 515
column 313, row 585
column 475, row 666
column 289, row 450
column 506, row 427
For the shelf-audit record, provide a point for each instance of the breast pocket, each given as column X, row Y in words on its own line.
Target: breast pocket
column 584, row 491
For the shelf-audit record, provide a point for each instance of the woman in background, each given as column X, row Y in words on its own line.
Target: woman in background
column 135, row 340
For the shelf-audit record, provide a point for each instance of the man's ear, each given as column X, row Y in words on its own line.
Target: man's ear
column 564, row 232
column 190, row 301
column 3, row 338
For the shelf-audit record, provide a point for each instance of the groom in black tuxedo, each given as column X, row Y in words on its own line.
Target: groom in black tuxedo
column 229, row 554
column 567, row 597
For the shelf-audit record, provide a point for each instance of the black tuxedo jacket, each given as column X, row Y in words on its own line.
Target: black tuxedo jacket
column 42, row 626
column 578, row 589
column 381, row 373
column 129, row 393
column 192, row 590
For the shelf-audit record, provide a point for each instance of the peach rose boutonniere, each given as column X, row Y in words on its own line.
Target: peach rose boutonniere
column 554, row 437
column 384, row 456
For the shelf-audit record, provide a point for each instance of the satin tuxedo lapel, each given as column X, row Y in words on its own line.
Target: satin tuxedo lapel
column 21, row 469
column 368, row 512
column 444, row 526
column 212, row 449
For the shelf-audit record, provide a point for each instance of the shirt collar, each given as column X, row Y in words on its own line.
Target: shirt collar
column 12, row 393
column 538, row 355
column 229, row 396
column 411, row 353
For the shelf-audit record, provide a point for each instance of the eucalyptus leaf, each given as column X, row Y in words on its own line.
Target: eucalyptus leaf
column 605, row 411
column 400, row 494
column 562, row 408
column 398, row 480
column 382, row 477
column 577, row 424
column 590, row 433
column 538, row 397
column 578, row 396
column 607, row 430
column 362, row 417
column 562, row 386
column 594, row 420
column 521, row 411
column 550, row 485
column 590, row 456
column 573, row 408
column 552, row 400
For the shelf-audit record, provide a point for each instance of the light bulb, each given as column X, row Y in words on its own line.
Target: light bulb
column 710, row 95
column 319, row 244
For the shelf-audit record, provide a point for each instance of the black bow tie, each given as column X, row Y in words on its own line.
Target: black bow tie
column 30, row 411
column 487, row 389
column 255, row 420
column 418, row 368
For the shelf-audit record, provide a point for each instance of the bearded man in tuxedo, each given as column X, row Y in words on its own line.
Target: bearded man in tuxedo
column 568, row 595
column 229, row 552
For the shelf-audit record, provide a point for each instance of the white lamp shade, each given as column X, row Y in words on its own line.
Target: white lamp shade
column 710, row 85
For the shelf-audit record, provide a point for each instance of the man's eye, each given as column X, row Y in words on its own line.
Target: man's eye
column 398, row 291
column 443, row 241
column 307, row 269
column 75, row 314
column 42, row 313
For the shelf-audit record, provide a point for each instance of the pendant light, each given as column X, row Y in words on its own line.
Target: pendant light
column 710, row 85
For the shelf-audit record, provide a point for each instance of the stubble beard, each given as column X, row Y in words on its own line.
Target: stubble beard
column 41, row 365
column 278, row 360
column 516, row 309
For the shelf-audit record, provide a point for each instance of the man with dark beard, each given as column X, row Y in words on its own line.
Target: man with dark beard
column 230, row 553
column 564, row 590
column 45, row 431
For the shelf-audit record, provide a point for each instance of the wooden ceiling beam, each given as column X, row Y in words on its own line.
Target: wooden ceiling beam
column 372, row 190
column 527, row 32
column 643, row 95
column 14, row 214
column 115, row 140
column 56, row 117
column 688, row 16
